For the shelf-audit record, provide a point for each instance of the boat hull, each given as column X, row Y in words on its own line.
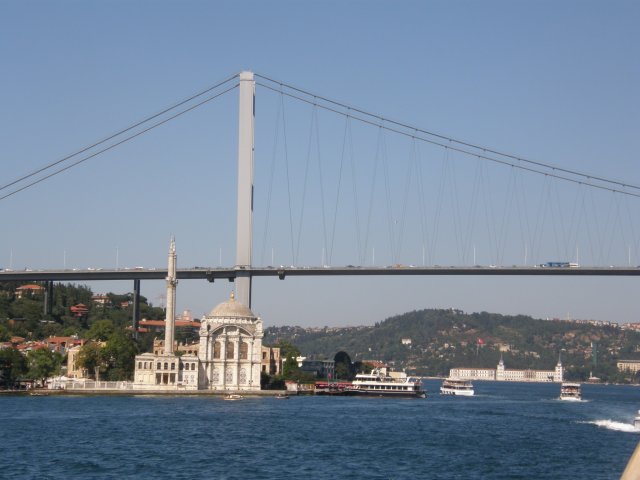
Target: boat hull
column 378, row 393
column 570, row 399
column 458, row 393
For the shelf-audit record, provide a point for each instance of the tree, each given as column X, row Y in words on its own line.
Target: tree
column 289, row 352
column 43, row 363
column 343, row 366
column 13, row 365
column 101, row 330
column 91, row 357
column 4, row 334
column 119, row 356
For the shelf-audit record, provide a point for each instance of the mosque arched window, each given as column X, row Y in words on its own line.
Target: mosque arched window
column 244, row 350
column 139, row 364
column 216, row 350
column 159, row 366
column 166, row 366
column 230, row 351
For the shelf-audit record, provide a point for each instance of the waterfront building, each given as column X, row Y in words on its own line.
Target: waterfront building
column 631, row 366
column 230, row 351
column 502, row 374
column 319, row 368
column 271, row 360
column 473, row 373
column 228, row 357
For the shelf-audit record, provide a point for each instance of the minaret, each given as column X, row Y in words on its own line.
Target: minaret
column 170, row 319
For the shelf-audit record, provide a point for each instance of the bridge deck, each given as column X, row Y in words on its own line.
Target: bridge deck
column 231, row 273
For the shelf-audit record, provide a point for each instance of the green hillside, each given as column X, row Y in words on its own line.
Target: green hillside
column 444, row 339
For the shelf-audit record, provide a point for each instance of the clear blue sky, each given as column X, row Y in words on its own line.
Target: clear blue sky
column 548, row 80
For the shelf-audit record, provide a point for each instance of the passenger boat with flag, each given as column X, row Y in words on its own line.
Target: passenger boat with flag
column 456, row 386
column 379, row 383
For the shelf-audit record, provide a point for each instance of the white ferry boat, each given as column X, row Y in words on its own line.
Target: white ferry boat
column 380, row 384
column 570, row 391
column 636, row 421
column 455, row 386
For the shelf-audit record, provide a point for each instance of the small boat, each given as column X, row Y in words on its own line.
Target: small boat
column 455, row 386
column 636, row 421
column 233, row 396
column 570, row 391
column 38, row 394
column 282, row 396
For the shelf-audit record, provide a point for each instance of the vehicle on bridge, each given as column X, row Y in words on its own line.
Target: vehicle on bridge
column 560, row 264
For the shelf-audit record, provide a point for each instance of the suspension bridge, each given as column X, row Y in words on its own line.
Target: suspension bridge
column 429, row 202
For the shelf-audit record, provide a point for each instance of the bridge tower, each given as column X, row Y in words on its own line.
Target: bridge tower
column 244, row 229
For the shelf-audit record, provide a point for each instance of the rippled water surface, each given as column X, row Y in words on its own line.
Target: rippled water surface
column 507, row 431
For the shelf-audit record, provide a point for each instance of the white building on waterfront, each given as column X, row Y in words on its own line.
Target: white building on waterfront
column 229, row 356
column 230, row 351
column 501, row 374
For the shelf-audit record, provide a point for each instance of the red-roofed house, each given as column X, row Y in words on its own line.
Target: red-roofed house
column 28, row 346
column 79, row 310
column 29, row 290
column 62, row 344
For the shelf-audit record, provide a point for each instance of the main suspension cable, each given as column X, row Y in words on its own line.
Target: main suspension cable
column 117, row 134
column 130, row 137
column 482, row 152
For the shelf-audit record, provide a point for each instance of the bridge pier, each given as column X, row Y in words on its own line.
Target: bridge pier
column 48, row 298
column 136, row 307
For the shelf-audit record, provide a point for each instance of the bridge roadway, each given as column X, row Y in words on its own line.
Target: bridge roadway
column 231, row 273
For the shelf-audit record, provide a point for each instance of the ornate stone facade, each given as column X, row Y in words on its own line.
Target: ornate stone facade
column 230, row 351
column 228, row 357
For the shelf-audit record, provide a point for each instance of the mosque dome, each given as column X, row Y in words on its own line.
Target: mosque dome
column 231, row 308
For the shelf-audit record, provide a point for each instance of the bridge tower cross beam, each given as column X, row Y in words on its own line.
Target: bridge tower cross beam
column 244, row 228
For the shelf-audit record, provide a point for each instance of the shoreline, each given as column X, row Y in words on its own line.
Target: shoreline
column 135, row 393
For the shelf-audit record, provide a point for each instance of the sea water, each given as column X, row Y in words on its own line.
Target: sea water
column 506, row 431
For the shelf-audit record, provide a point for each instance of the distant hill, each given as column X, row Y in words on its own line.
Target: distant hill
column 430, row 342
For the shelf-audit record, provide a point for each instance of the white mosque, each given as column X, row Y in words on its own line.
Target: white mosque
column 229, row 356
